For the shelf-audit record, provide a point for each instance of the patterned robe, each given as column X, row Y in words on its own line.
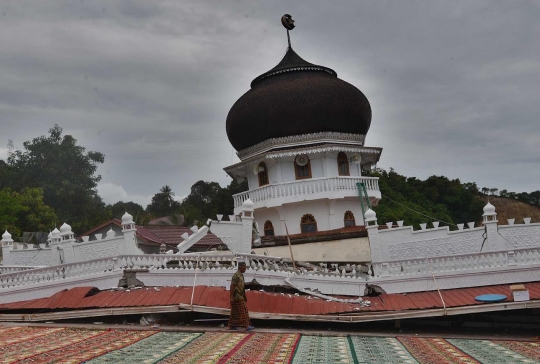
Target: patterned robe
column 239, row 312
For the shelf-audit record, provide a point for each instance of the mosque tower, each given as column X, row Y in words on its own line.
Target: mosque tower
column 299, row 133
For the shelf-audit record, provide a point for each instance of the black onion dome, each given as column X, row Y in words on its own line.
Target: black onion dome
column 295, row 98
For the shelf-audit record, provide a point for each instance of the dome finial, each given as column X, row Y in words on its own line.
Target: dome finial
column 288, row 23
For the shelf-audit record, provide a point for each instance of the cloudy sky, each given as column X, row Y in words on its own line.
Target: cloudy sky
column 454, row 85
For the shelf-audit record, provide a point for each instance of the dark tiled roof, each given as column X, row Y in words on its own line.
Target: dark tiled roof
column 162, row 234
column 172, row 235
column 116, row 222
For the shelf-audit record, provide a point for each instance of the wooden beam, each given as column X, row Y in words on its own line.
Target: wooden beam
column 352, row 317
column 64, row 315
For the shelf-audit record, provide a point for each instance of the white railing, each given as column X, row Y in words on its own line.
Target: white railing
column 308, row 187
column 150, row 262
column 454, row 263
column 57, row 272
column 4, row 269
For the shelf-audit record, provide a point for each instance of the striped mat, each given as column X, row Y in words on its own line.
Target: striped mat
column 65, row 345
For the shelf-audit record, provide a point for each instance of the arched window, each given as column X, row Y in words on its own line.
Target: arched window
column 348, row 219
column 308, row 224
column 268, row 228
column 343, row 164
column 263, row 174
column 302, row 167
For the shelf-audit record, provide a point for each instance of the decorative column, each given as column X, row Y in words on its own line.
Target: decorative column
column 247, row 226
column 7, row 247
column 370, row 219
column 129, row 230
column 62, row 245
column 55, row 242
column 331, row 215
column 494, row 241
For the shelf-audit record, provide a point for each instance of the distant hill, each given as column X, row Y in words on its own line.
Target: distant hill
column 508, row 208
column 449, row 201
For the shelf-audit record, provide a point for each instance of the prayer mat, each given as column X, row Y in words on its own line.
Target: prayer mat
column 207, row 349
column 91, row 347
column 436, row 351
column 487, row 351
column 526, row 348
column 43, row 343
column 379, row 350
column 263, row 348
column 18, row 334
column 149, row 350
column 323, row 349
column 62, row 345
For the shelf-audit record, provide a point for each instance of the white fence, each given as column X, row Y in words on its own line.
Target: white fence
column 338, row 186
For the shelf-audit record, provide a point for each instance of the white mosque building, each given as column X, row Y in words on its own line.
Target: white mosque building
column 300, row 135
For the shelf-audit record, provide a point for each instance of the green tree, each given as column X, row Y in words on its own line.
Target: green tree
column 411, row 199
column 136, row 210
column 10, row 207
column 207, row 199
column 65, row 172
column 163, row 203
column 25, row 211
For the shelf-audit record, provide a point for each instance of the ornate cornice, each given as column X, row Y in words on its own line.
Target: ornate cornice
column 294, row 69
column 300, row 140
column 291, row 152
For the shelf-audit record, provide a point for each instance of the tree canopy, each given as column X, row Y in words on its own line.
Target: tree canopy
column 25, row 211
column 409, row 199
column 206, row 199
column 136, row 210
column 65, row 172
column 163, row 203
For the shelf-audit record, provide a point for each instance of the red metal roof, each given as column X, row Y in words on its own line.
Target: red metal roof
column 89, row 297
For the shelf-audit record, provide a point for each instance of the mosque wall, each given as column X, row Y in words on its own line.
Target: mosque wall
column 329, row 215
column 322, row 165
column 344, row 250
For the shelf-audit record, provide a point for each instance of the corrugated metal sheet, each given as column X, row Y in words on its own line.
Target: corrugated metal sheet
column 278, row 303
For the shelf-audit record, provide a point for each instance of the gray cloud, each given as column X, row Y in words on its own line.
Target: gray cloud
column 453, row 85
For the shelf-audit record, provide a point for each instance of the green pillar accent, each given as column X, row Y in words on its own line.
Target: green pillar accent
column 362, row 193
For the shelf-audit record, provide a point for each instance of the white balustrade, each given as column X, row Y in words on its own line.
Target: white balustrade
column 4, row 269
column 146, row 262
column 308, row 187
column 454, row 263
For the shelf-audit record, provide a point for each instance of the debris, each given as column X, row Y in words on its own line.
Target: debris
column 151, row 319
column 373, row 290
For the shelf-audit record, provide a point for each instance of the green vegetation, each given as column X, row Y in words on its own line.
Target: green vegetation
column 438, row 197
column 205, row 200
column 25, row 211
column 66, row 175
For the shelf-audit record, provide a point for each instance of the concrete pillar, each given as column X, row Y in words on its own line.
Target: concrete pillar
column 247, row 226
column 493, row 241
column 372, row 227
column 129, row 245
column 7, row 247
